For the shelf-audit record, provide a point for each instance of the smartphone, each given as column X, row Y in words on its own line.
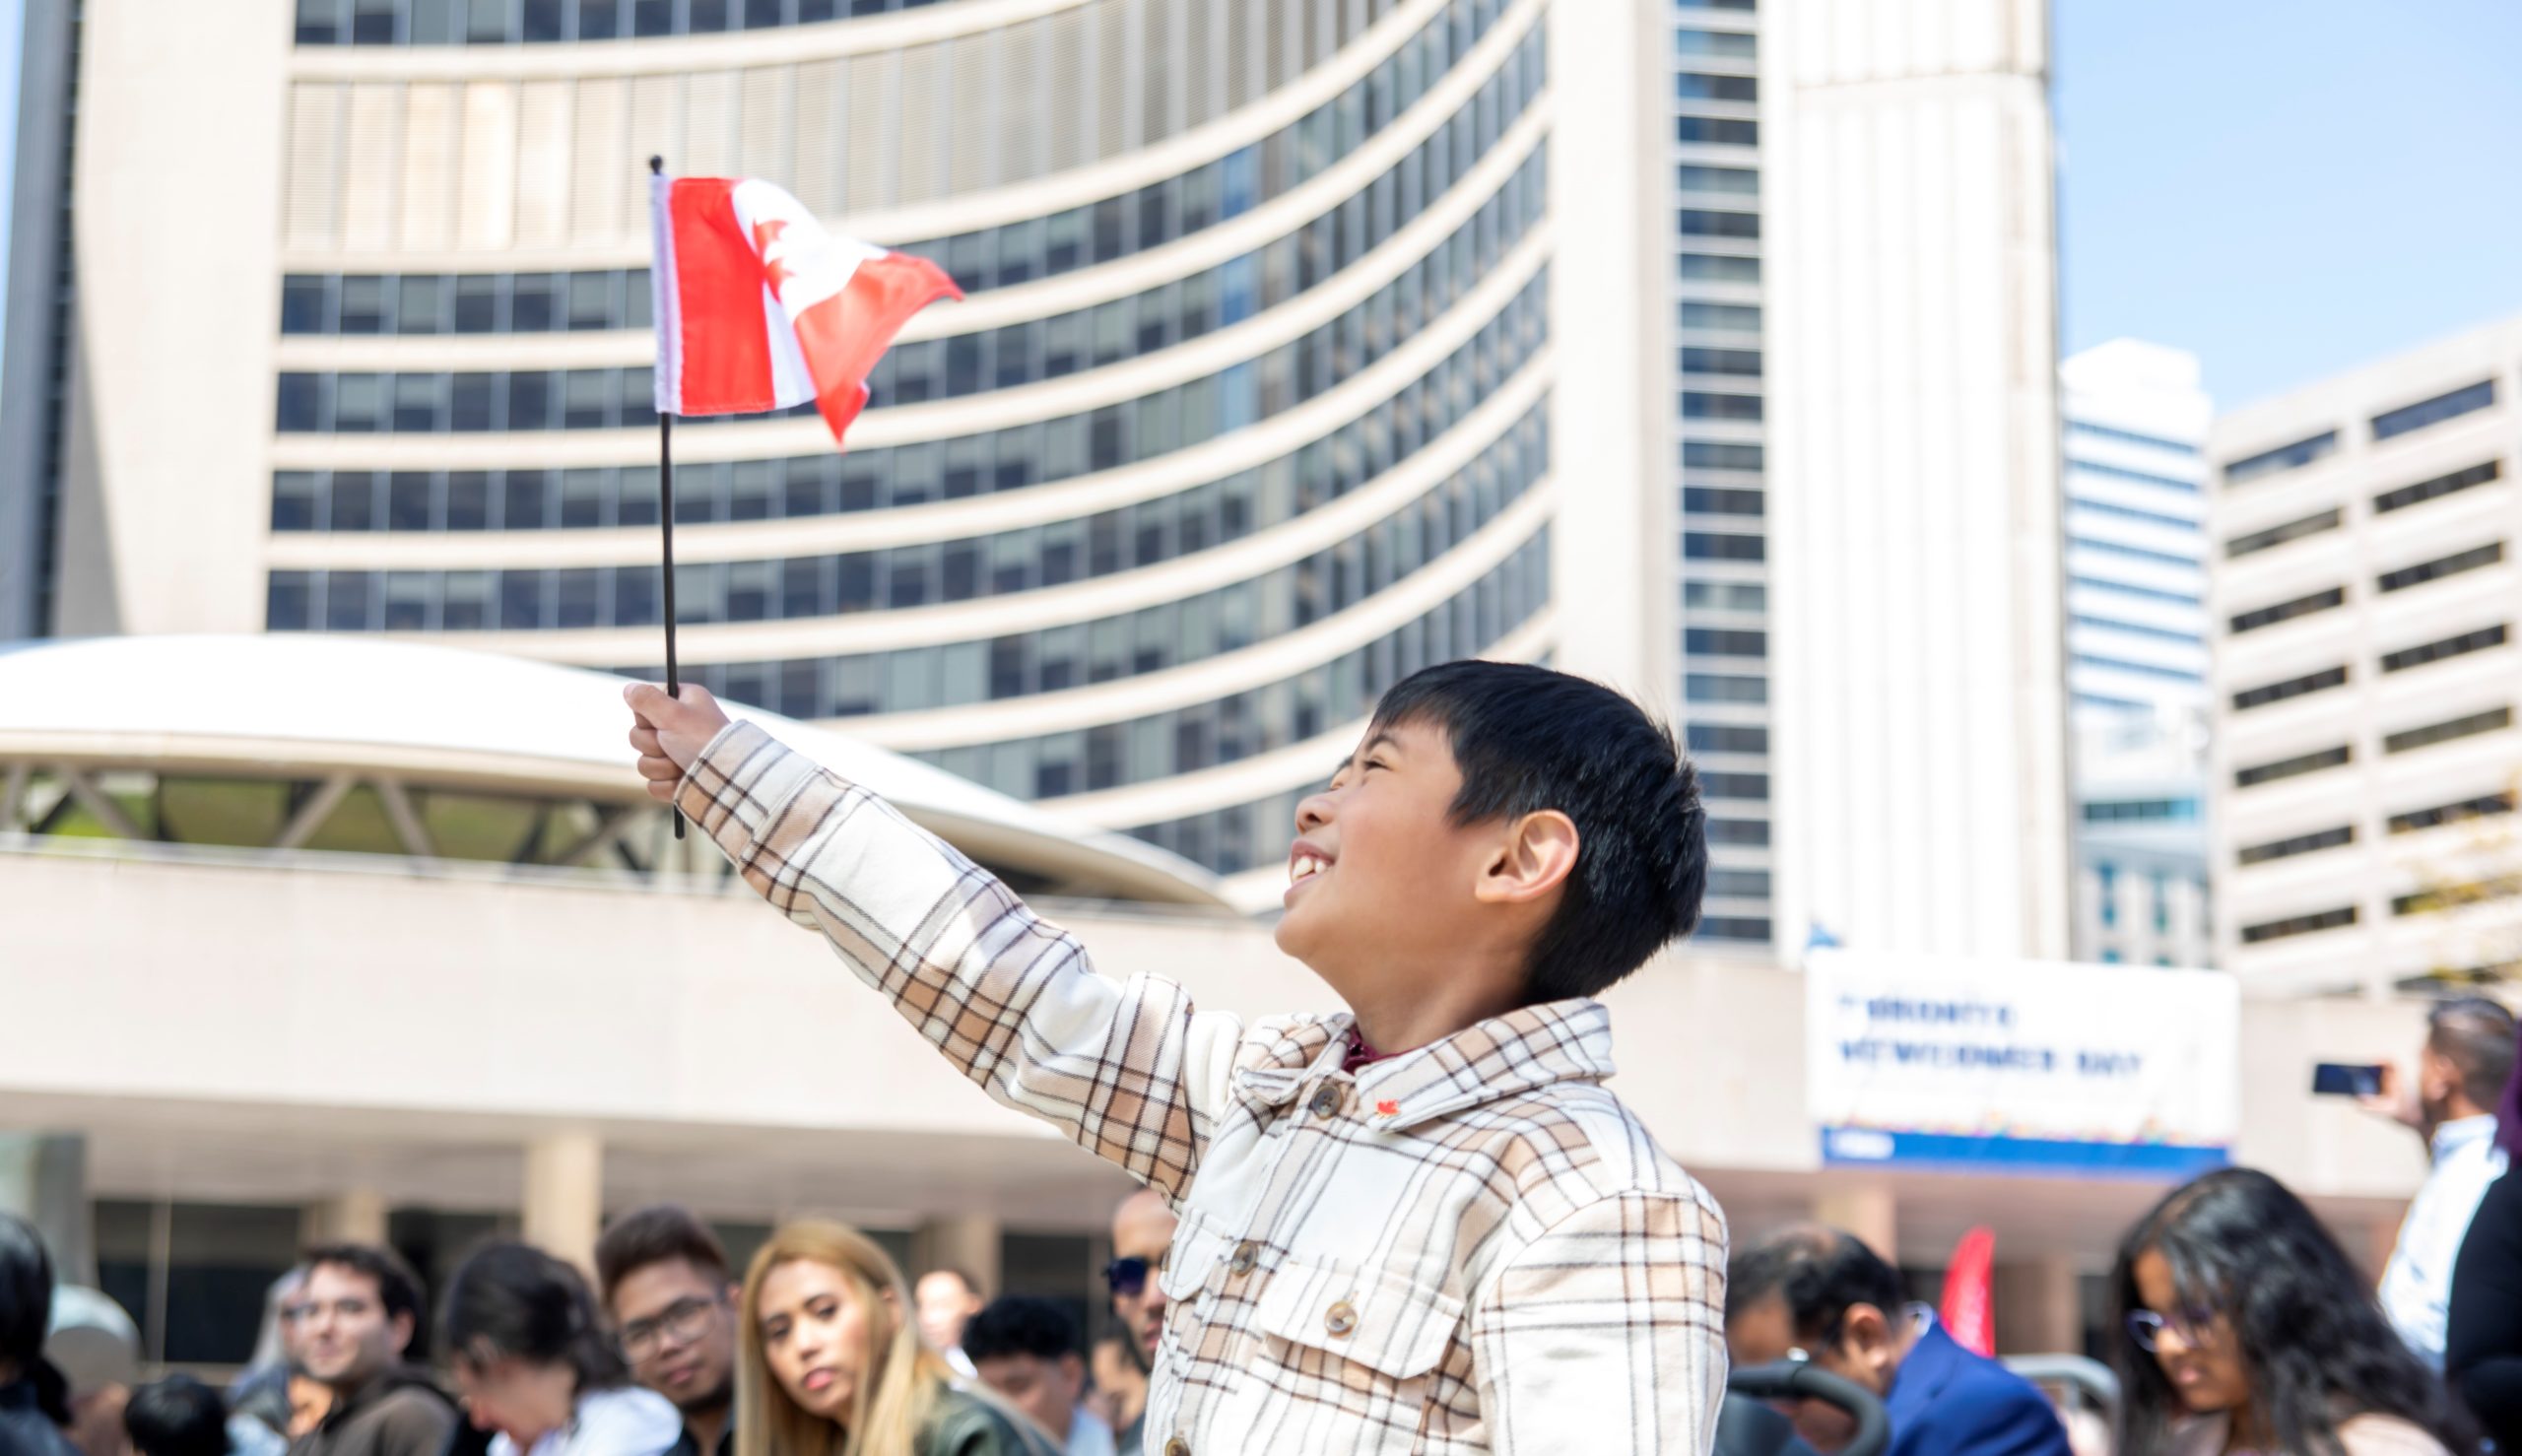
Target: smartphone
column 2347, row 1080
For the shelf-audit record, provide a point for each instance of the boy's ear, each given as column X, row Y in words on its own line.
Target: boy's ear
column 1533, row 857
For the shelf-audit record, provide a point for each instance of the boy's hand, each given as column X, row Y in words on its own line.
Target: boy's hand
column 670, row 733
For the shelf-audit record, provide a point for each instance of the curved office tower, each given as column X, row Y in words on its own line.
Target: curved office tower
column 1244, row 417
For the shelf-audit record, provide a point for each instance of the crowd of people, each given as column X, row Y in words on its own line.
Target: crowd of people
column 1424, row 1224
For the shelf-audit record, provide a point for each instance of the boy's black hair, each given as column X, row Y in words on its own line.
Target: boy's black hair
column 398, row 1289
column 653, row 1235
column 177, row 1417
column 511, row 1298
column 1528, row 739
column 1021, row 1324
column 1821, row 1273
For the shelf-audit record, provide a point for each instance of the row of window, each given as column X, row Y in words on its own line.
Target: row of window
column 2438, row 488
column 1712, row 500
column 1731, row 44
column 902, row 476
column 548, row 22
column 1725, row 688
column 2449, row 897
column 1719, row 268
column 806, row 587
column 2284, row 458
column 619, row 298
column 2138, row 477
column 2388, row 424
column 2297, row 844
column 1701, row 404
column 2293, row 925
column 2478, row 641
column 2406, row 740
column 1714, row 641
column 2132, row 513
column 2400, row 578
column 939, row 368
column 1732, row 318
column 1720, row 546
column 1697, row 85
column 1726, row 738
column 2141, row 811
column 1725, row 596
column 1204, row 735
column 1716, row 131
column 2091, row 431
column 2287, row 611
column 2477, row 807
column 2276, row 536
column 2107, row 898
column 2136, row 630
column 2149, row 593
column 2098, row 663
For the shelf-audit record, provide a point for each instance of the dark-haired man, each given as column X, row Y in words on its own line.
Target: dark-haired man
column 1821, row 1295
column 353, row 1321
column 1415, row 1226
column 1143, row 1229
column 2451, row 1105
column 1029, row 1352
column 670, row 1293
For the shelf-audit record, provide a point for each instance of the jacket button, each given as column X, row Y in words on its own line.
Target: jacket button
column 1326, row 1100
column 1177, row 1447
column 1246, row 1254
column 1340, row 1319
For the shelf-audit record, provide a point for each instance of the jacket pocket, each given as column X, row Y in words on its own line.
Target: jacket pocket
column 1392, row 1330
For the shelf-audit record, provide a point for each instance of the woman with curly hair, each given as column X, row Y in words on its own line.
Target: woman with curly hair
column 2244, row 1331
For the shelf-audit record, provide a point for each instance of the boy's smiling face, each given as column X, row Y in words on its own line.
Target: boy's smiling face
column 1381, row 879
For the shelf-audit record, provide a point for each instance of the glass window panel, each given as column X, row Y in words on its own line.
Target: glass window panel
column 301, row 405
column 599, row 20
column 638, row 490
column 436, row 21
column 466, row 606
column 590, row 398
column 417, row 406
column 359, row 403
column 524, row 501
column 652, row 17
column 476, row 304
column 348, row 597
column 582, row 497
column 290, row 598
column 363, row 305
column 591, row 299
column 748, row 493
column 293, row 493
column 521, row 595
column 410, row 500
column 542, row 18
column 471, row 402
column 305, row 302
column 487, row 22
column 579, row 599
column 421, row 304
column 638, row 300
column 468, row 500
column 529, row 399
column 409, row 600
column 533, row 302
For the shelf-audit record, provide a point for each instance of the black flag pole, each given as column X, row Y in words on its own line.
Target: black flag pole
column 665, row 513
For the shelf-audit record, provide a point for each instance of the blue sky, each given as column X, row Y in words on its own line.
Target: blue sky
column 2287, row 187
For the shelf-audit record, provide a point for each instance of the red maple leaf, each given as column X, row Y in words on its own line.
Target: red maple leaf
column 766, row 242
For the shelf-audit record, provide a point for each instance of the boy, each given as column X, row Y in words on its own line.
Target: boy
column 1459, row 1242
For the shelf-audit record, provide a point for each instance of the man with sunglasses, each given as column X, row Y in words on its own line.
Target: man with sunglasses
column 1141, row 1231
column 1820, row 1295
column 670, row 1294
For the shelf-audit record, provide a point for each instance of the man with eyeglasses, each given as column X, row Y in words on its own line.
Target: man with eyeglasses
column 1141, row 1231
column 351, row 1324
column 669, row 1291
column 1820, row 1295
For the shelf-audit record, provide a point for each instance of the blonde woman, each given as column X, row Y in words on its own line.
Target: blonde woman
column 831, row 1364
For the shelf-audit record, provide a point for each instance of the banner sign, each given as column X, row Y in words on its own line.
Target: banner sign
column 2020, row 1066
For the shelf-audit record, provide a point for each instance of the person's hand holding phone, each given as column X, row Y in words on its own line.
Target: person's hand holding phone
column 2395, row 1099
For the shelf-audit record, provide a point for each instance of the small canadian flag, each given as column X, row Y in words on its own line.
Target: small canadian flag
column 758, row 309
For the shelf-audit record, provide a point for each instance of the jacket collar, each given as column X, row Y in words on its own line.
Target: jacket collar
column 1505, row 1056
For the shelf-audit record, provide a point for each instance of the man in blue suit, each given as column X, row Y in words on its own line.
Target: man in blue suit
column 1818, row 1293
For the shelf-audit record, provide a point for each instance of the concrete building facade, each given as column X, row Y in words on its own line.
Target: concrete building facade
column 2363, row 595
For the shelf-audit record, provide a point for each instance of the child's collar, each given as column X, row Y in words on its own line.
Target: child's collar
column 1503, row 1056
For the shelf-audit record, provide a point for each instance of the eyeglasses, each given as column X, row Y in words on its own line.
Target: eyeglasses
column 302, row 1311
column 2147, row 1327
column 1127, row 1277
column 682, row 1321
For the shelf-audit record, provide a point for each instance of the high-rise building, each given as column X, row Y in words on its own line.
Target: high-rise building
column 1261, row 398
column 1896, row 605
column 2136, row 421
column 2363, row 595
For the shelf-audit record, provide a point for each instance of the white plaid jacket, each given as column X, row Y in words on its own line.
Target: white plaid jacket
column 1470, row 1247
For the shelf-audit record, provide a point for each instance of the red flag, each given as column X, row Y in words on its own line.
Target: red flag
column 758, row 309
column 1968, row 1312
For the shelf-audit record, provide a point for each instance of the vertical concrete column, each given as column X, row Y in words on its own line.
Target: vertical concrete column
column 2039, row 1307
column 43, row 1179
column 358, row 1216
column 964, row 1241
column 1869, row 1210
column 565, row 1195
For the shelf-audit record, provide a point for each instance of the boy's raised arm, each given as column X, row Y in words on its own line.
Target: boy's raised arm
column 1129, row 1071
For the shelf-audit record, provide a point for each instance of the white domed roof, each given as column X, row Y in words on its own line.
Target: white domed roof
column 295, row 702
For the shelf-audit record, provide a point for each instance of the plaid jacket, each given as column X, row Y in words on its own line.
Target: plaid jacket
column 1470, row 1247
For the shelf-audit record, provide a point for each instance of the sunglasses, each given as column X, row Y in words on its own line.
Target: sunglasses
column 2147, row 1327
column 1126, row 1276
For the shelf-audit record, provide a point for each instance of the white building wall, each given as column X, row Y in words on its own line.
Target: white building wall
column 1916, row 638
column 2366, row 585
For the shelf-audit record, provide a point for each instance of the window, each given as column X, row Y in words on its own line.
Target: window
column 1701, row 223
column 302, row 403
column 2466, row 642
column 2149, row 593
column 2140, row 476
column 1708, row 501
column 2141, row 669
column 2163, row 902
column 2091, row 431
column 1728, row 43
column 2442, row 567
column 1704, row 454
column 2311, row 762
column 2437, row 487
column 1751, row 929
column 1752, row 786
column 2132, row 552
column 2330, row 839
column 1741, row 318
column 1739, row 181
column 1726, row 738
column 2125, row 811
column 2257, row 541
column 2435, row 411
column 1707, row 641
column 2319, row 920
column 2301, row 454
column 2443, row 813
column 1719, row 268
column 2139, row 629
column 2107, row 876
column 2132, row 513
column 1707, row 405
column 1712, row 546
column 1725, row 596
column 1739, row 884
column 2409, row 738
column 2287, row 611
column 1692, row 85
column 1699, row 360
column 1747, row 833
column 1722, row 688
column 1722, row 131
column 305, row 303
column 2322, row 681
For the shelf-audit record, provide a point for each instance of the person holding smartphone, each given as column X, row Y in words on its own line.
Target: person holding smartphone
column 2450, row 1102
